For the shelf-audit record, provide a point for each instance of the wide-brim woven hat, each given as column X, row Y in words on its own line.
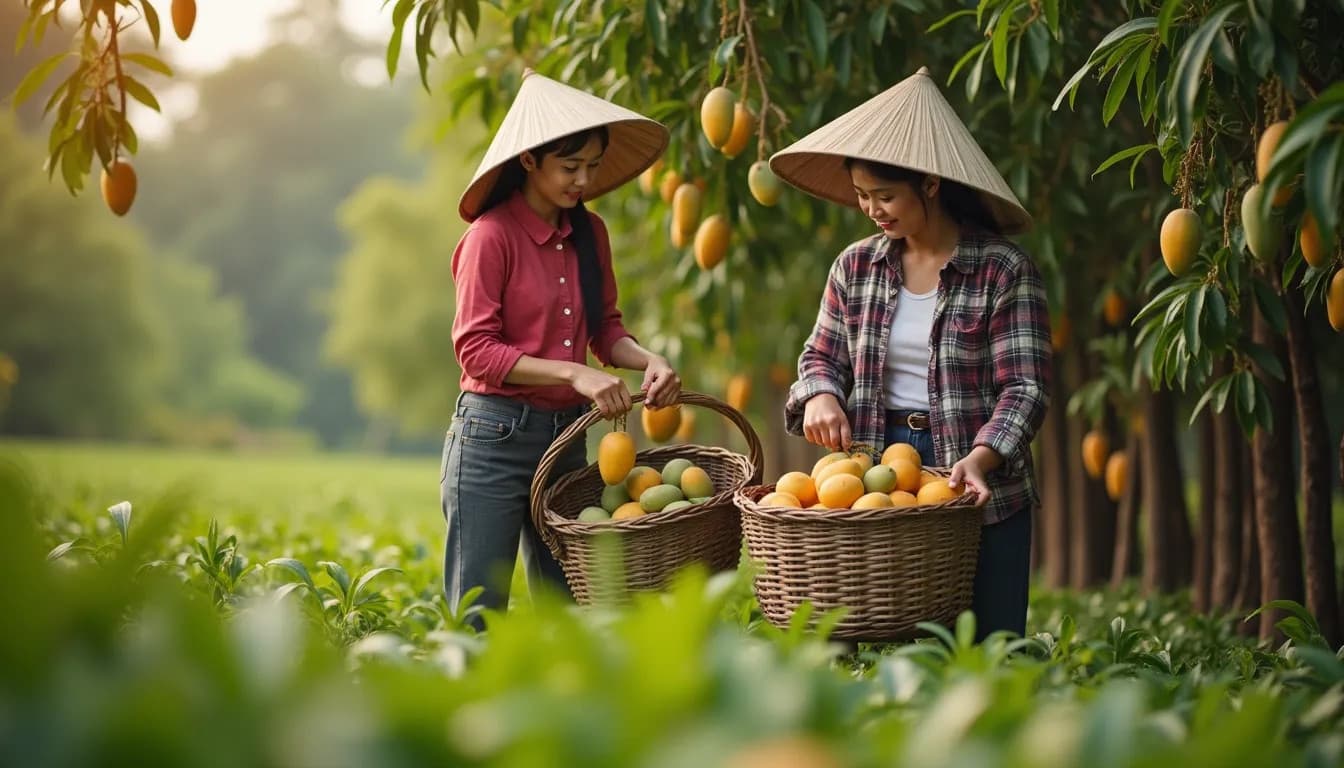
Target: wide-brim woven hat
column 545, row 110
column 909, row 125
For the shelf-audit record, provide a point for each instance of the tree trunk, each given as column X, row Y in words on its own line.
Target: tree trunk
column 1055, row 538
column 1167, row 550
column 1204, row 540
column 1092, row 527
column 1058, row 457
column 1275, row 505
column 1227, row 517
column 1314, row 454
column 1248, row 587
column 1125, row 562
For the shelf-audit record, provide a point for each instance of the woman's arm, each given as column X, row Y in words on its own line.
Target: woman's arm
column 824, row 367
column 1019, row 349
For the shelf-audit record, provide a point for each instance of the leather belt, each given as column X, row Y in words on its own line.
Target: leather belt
column 916, row 420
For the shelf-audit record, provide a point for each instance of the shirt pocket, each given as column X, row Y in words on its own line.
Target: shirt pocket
column 481, row 427
column 969, row 333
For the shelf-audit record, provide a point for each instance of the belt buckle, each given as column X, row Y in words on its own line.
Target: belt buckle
column 910, row 421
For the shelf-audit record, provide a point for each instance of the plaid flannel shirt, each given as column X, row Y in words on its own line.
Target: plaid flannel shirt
column 989, row 361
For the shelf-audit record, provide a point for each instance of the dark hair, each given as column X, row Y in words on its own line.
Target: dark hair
column 511, row 178
column 963, row 204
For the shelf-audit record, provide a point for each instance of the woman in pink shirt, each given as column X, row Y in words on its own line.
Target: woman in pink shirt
column 535, row 291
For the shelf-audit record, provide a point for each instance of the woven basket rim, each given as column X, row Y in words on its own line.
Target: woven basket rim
column 570, row 527
column 747, row 496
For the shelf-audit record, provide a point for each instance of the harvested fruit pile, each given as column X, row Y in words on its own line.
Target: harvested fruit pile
column 854, row 481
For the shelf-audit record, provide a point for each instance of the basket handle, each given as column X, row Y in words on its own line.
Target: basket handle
column 579, row 429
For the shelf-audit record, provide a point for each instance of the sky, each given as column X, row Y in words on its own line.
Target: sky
column 229, row 29
column 226, row 29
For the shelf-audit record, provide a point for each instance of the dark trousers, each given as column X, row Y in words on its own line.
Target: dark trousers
column 1003, row 572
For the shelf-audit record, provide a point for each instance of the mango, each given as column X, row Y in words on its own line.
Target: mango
column 659, row 496
column 118, row 185
column 716, row 116
column 1334, row 301
column 615, row 456
column 613, row 496
column 594, row 515
column 711, row 241
column 1262, row 236
column 685, row 210
column 1264, row 154
column 660, row 424
column 1179, row 240
column 744, row 124
column 641, row 479
column 696, row 484
column 1117, row 474
column 765, row 186
column 673, row 470
column 1314, row 250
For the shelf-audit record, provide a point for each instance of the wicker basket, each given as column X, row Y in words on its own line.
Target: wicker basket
column 891, row 568
column 651, row 548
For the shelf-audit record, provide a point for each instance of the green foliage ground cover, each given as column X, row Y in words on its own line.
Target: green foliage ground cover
column 284, row 611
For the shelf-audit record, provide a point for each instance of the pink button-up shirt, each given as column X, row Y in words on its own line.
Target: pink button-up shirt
column 518, row 294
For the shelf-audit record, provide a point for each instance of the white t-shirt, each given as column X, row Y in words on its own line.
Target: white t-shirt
column 905, row 373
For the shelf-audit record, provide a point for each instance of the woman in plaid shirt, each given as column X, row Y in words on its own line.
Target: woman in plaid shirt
column 934, row 331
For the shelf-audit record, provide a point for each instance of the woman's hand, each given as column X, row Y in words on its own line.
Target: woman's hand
column 608, row 393
column 971, row 472
column 662, row 385
column 825, row 423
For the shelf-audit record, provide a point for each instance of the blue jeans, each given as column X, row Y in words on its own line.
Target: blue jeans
column 490, row 455
column 1003, row 570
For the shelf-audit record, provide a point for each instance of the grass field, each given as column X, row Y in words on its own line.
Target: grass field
column 172, row 648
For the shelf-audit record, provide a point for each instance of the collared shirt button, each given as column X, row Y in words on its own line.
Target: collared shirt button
column 568, row 343
column 562, row 279
column 566, row 310
column 559, row 246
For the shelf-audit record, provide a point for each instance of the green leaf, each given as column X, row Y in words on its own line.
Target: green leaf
column 36, row 76
column 338, row 574
column 656, row 19
column 1165, row 17
column 1204, row 400
column 295, row 567
column 999, row 42
column 140, row 93
column 1137, row 151
column 1192, row 317
column 975, row 76
column 948, row 19
column 370, row 575
column 148, row 62
column 399, row 16
column 975, row 50
column 1190, row 70
column 1119, row 86
column 1258, row 45
column 1038, row 50
column 1323, row 173
column 1216, row 308
column 121, row 517
column 1132, row 27
column 816, row 31
column 1224, row 389
column 1267, row 360
column 721, row 58
column 877, row 23
column 151, row 20
column 1271, row 304
column 1051, row 8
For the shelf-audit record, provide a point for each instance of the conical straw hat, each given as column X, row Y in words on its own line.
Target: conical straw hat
column 910, row 125
column 545, row 110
